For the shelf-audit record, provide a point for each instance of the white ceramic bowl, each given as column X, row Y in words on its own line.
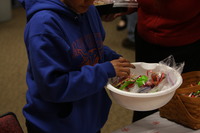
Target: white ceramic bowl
column 146, row 101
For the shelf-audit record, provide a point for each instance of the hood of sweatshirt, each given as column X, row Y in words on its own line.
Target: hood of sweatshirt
column 34, row 6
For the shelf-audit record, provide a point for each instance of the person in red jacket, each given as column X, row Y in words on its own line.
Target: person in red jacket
column 167, row 27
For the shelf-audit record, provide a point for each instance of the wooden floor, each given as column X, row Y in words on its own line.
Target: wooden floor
column 14, row 61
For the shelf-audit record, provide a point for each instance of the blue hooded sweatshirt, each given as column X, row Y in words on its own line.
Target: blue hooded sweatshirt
column 67, row 70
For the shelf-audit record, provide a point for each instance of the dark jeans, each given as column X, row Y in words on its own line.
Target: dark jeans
column 141, row 114
column 32, row 129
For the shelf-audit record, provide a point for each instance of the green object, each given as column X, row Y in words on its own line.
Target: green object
column 126, row 83
column 199, row 83
column 198, row 92
column 141, row 80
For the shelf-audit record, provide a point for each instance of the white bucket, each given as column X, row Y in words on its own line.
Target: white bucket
column 146, row 101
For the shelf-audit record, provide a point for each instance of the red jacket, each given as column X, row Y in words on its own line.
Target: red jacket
column 169, row 22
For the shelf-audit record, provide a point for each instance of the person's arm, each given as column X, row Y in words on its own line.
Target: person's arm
column 55, row 77
column 109, row 54
column 51, row 66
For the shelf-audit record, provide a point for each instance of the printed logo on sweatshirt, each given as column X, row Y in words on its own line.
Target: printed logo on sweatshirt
column 87, row 50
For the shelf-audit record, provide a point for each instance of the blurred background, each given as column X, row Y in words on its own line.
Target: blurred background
column 14, row 62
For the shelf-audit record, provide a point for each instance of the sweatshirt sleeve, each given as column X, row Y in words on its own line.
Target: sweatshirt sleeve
column 109, row 54
column 53, row 75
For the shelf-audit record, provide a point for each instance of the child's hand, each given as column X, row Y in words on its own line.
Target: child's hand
column 122, row 67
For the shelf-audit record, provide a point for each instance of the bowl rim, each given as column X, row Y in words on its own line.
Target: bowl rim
column 146, row 95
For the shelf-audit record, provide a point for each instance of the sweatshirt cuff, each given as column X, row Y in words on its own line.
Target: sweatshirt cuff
column 108, row 67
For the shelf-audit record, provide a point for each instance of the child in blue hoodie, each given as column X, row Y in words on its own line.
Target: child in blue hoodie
column 68, row 67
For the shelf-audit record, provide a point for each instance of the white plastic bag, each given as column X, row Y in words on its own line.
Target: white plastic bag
column 118, row 3
column 125, row 3
column 103, row 2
